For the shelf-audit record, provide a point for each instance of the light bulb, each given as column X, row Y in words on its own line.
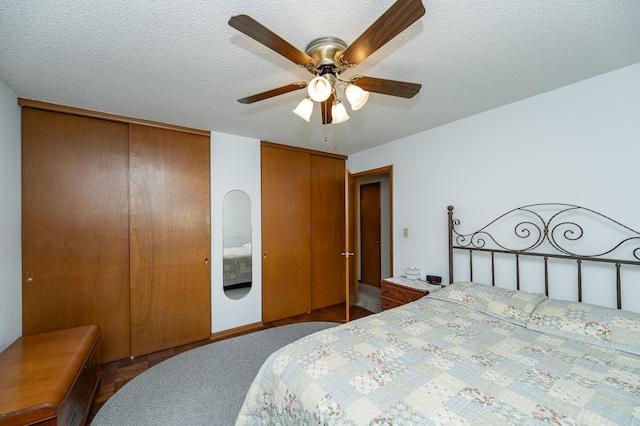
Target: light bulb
column 356, row 96
column 304, row 109
column 338, row 113
column 319, row 89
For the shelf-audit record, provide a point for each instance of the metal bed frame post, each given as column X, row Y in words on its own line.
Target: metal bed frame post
column 450, row 215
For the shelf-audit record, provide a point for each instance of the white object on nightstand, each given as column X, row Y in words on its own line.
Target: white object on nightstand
column 413, row 273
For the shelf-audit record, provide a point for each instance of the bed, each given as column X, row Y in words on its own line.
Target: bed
column 474, row 353
column 236, row 266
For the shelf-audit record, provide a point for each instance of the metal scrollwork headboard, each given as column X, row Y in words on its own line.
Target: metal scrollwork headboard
column 553, row 237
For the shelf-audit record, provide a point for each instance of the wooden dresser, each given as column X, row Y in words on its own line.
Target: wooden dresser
column 50, row 378
column 397, row 291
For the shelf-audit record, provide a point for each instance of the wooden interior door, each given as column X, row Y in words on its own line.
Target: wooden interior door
column 75, row 226
column 370, row 234
column 350, row 252
column 286, row 233
column 327, row 231
column 170, row 238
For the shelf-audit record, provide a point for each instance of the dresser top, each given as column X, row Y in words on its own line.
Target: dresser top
column 417, row 284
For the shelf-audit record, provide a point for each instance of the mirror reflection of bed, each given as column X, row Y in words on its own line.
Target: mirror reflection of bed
column 237, row 245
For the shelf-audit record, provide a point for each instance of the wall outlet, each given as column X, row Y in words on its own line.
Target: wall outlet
column 405, row 232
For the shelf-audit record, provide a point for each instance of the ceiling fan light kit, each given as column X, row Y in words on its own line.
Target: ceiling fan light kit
column 356, row 96
column 328, row 57
column 319, row 89
column 338, row 112
column 304, row 109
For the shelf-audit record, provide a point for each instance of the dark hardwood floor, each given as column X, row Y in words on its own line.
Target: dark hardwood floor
column 114, row 375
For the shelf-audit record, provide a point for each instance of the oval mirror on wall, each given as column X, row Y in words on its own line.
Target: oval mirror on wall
column 236, row 239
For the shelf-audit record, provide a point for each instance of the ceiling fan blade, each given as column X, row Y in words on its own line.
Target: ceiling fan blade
column 249, row 26
column 402, row 89
column 396, row 19
column 327, row 117
column 273, row 92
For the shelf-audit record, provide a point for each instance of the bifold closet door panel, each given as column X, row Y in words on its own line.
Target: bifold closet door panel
column 170, row 238
column 75, row 226
column 286, row 233
column 327, row 231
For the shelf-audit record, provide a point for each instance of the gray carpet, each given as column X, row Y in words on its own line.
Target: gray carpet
column 369, row 298
column 203, row 386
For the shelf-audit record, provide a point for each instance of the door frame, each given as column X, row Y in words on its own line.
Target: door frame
column 386, row 170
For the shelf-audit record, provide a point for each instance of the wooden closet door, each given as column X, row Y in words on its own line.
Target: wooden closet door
column 327, row 231
column 170, row 238
column 286, row 233
column 75, row 226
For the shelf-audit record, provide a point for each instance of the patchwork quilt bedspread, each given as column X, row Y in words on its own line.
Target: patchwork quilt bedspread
column 438, row 362
column 236, row 266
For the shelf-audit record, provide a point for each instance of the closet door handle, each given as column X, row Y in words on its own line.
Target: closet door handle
column 206, row 260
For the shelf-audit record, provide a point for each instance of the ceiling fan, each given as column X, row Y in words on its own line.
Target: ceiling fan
column 328, row 57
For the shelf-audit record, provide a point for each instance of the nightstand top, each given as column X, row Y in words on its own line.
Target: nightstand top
column 417, row 284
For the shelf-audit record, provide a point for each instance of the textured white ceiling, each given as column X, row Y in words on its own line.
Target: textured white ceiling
column 181, row 63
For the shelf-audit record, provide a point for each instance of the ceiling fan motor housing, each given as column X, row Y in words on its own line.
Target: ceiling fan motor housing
column 326, row 51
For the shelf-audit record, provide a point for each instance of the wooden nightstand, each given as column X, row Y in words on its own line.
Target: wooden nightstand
column 397, row 291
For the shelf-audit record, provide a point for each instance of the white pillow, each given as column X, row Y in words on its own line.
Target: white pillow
column 512, row 305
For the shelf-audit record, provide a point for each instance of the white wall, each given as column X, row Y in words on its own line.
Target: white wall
column 235, row 165
column 579, row 144
column 10, row 218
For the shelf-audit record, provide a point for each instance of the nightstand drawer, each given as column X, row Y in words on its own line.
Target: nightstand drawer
column 399, row 293
column 388, row 303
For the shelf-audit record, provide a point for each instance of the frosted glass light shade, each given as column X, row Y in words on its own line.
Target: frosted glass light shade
column 319, row 89
column 304, row 109
column 356, row 96
column 339, row 113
